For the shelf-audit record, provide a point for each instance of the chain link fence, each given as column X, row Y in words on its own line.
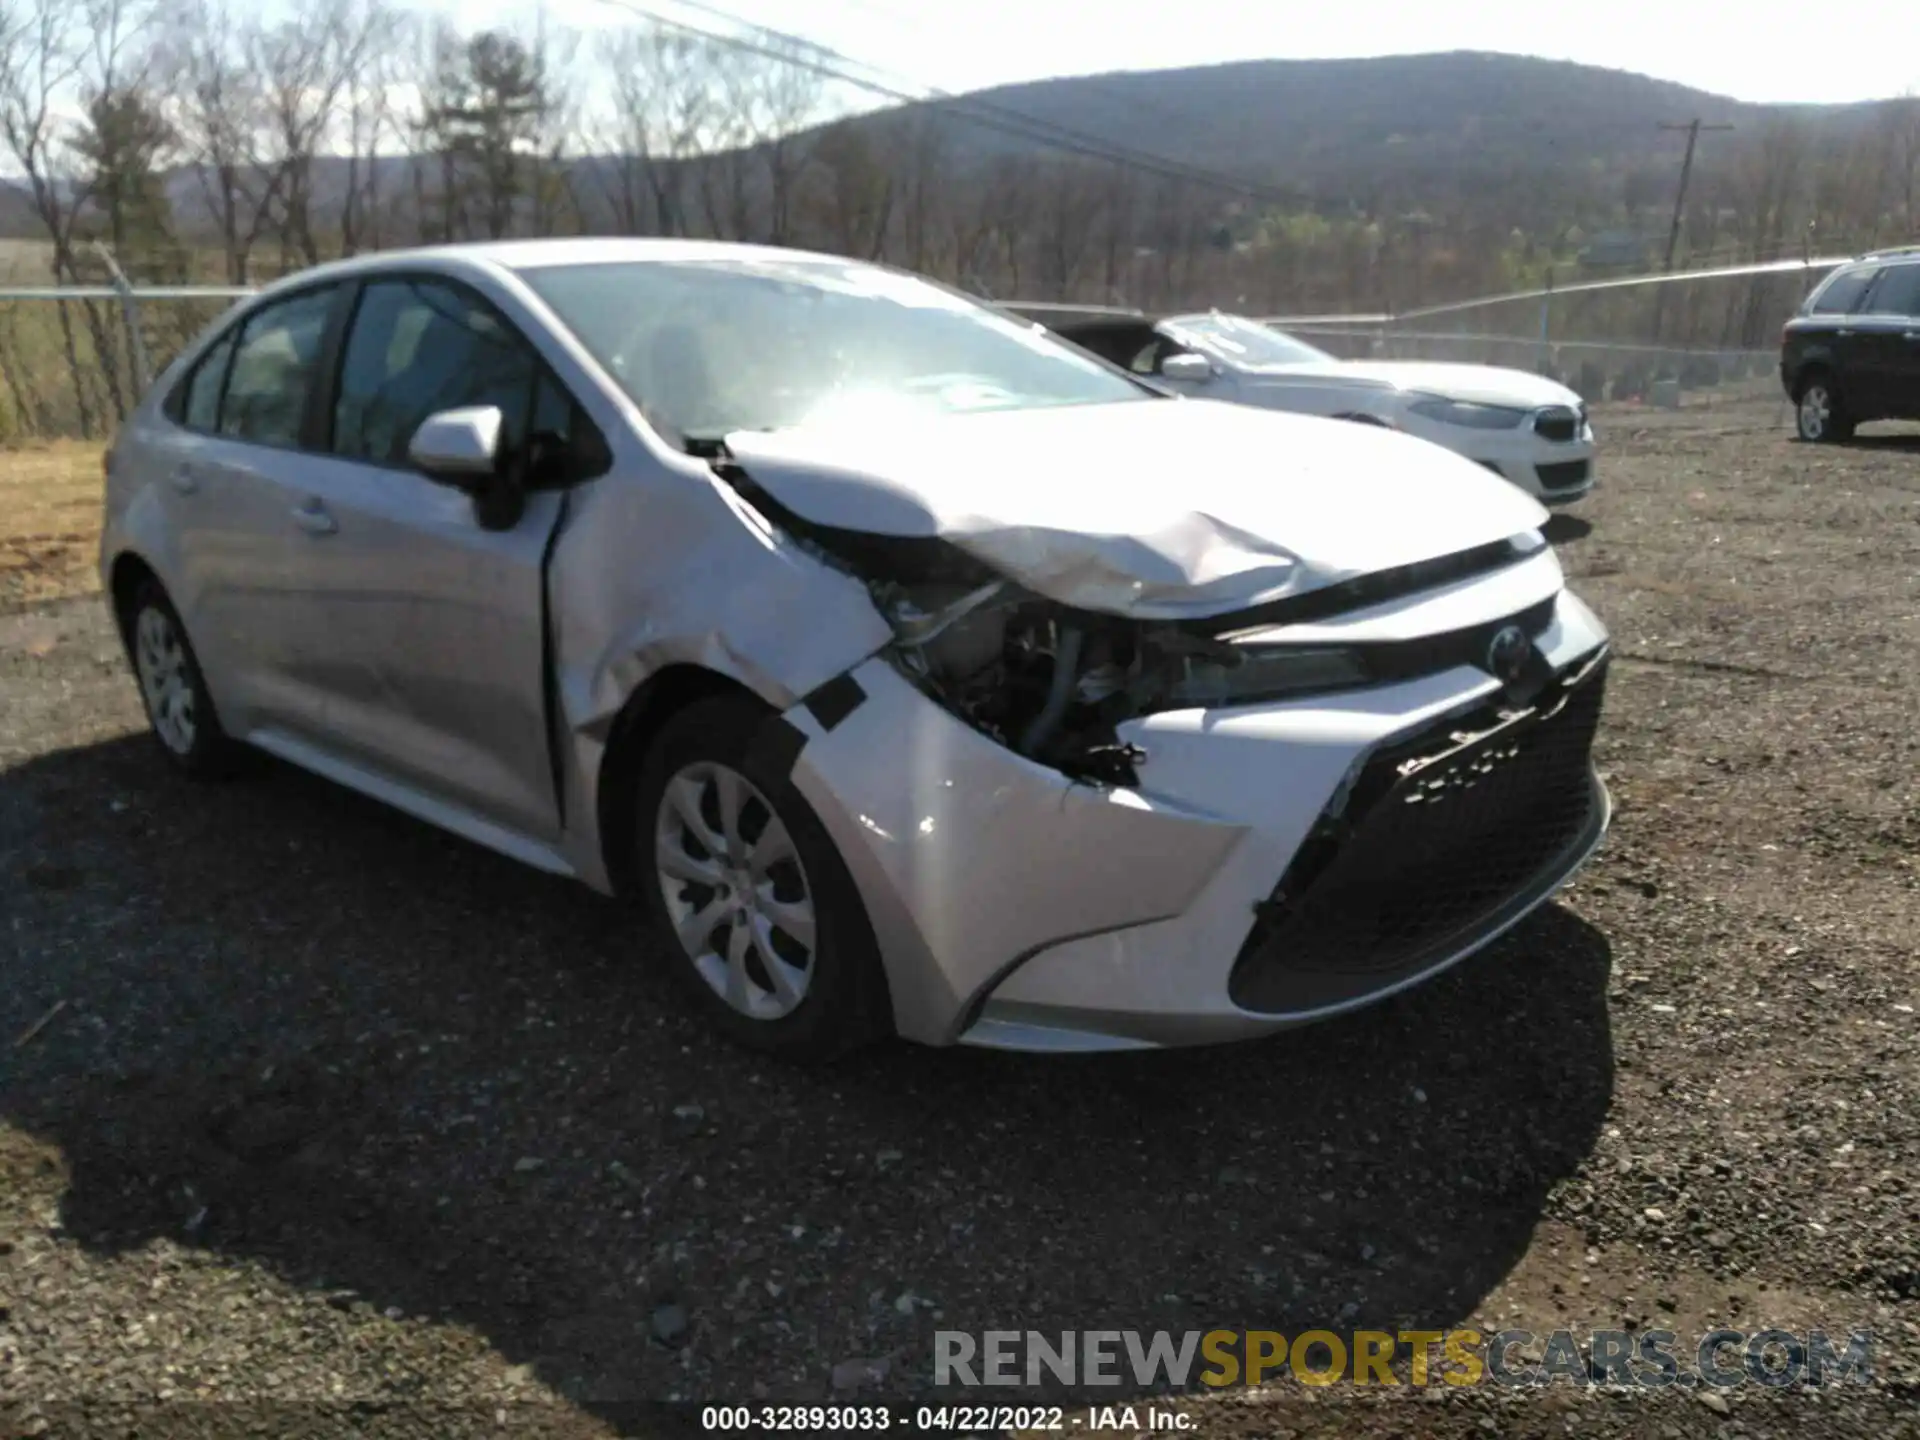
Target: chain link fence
column 1642, row 337
column 75, row 359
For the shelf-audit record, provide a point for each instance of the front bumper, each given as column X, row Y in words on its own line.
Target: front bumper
column 1554, row 472
column 1020, row 909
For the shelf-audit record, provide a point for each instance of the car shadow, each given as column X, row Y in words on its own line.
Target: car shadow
column 1901, row 442
column 1562, row 527
column 298, row 1029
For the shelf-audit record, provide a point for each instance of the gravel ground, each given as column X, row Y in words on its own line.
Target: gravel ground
column 336, row 1125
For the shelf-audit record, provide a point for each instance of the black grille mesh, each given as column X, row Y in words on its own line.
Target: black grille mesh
column 1441, row 835
column 1562, row 473
column 1556, row 423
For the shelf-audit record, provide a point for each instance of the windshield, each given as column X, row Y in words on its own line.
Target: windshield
column 1242, row 341
column 706, row 348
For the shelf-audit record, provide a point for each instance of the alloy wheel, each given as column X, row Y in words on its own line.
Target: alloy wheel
column 165, row 680
column 738, row 898
column 1816, row 412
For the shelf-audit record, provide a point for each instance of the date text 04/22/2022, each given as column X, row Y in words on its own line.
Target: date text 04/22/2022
column 940, row 1419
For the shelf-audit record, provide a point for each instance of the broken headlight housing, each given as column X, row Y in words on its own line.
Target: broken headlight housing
column 1053, row 684
column 1266, row 672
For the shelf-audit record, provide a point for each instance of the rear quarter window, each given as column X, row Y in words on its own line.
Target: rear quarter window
column 1898, row 292
column 198, row 399
column 1842, row 293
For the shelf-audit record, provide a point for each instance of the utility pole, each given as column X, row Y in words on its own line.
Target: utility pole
column 1693, row 128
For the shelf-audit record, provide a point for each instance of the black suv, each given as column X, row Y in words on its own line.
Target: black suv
column 1852, row 354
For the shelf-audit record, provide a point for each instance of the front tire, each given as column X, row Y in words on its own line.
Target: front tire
column 1819, row 417
column 173, row 689
column 747, row 893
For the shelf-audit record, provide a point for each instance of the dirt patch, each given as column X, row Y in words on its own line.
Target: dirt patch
column 49, row 522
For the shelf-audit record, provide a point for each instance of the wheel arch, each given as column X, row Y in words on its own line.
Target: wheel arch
column 125, row 576
column 654, row 701
column 1814, row 367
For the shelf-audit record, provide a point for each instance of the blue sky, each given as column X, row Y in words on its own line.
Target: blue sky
column 1765, row 50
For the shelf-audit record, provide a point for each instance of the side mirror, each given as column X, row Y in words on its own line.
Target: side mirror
column 1187, row 367
column 459, row 447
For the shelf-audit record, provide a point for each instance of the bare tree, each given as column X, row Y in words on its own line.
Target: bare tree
column 217, row 107
column 375, row 39
column 1068, row 219
column 1903, row 123
column 725, row 165
column 921, row 161
column 308, row 66
column 854, row 193
column 778, row 95
column 554, row 125
column 56, row 51
column 658, row 109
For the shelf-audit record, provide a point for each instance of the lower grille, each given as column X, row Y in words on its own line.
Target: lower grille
column 1564, row 473
column 1440, row 840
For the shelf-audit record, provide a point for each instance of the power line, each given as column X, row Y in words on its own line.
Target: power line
column 975, row 106
column 1093, row 84
column 1012, row 122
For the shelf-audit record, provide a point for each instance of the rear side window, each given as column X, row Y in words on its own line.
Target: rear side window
column 1898, row 292
column 200, row 403
column 275, row 368
column 418, row 346
column 1842, row 294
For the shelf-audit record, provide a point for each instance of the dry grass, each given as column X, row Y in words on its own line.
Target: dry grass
column 49, row 521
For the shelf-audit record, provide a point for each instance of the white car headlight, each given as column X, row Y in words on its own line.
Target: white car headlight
column 1467, row 413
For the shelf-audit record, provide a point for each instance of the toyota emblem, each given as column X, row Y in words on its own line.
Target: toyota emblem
column 1507, row 653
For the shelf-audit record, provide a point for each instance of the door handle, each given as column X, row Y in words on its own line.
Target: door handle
column 313, row 518
column 183, row 479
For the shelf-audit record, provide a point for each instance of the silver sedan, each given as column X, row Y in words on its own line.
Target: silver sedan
column 917, row 672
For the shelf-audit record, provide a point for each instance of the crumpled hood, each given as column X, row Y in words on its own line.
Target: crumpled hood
column 1159, row 509
column 1480, row 384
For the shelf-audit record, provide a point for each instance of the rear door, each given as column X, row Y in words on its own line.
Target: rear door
column 1888, row 336
column 1826, row 334
column 238, row 418
column 422, row 660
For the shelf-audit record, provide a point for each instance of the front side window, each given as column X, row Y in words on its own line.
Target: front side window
column 419, row 346
column 1842, row 294
column 1240, row 341
column 275, row 368
column 707, row 348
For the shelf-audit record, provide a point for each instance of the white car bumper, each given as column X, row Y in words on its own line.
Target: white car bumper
column 1019, row 909
column 1554, row 472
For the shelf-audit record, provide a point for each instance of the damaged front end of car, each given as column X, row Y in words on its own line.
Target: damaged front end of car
column 1054, row 682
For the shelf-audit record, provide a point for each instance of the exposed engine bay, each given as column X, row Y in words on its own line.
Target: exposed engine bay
column 1052, row 682
column 1048, row 683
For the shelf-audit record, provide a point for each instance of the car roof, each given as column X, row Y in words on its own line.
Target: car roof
column 1893, row 255
column 537, row 254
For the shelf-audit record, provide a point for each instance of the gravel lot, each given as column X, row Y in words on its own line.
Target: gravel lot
column 358, row 1129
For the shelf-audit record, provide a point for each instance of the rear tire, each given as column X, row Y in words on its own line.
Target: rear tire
column 173, row 690
column 1819, row 417
column 747, row 894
